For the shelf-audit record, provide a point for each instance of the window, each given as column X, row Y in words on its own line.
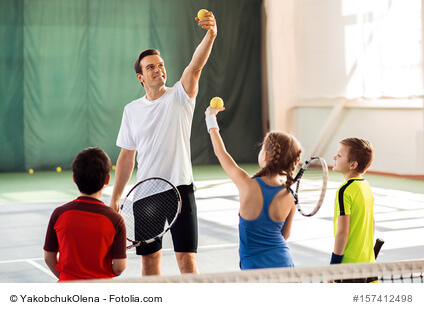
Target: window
column 383, row 44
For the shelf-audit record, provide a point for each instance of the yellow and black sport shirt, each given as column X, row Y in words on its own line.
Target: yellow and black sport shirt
column 355, row 198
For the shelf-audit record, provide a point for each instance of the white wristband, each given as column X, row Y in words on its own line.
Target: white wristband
column 211, row 122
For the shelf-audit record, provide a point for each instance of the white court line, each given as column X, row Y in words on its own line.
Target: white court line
column 20, row 260
column 33, row 263
column 41, row 268
column 132, row 251
column 224, row 246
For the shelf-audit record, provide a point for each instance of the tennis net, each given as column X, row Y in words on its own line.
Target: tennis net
column 386, row 272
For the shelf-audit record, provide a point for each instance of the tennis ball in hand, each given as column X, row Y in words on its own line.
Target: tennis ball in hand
column 58, row 169
column 201, row 13
column 217, row 103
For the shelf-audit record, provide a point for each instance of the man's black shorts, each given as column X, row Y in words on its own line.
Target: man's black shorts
column 184, row 232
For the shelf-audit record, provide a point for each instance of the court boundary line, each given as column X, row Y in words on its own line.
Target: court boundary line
column 41, row 268
column 32, row 261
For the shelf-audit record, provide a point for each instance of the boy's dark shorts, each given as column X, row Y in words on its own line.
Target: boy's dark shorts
column 185, row 230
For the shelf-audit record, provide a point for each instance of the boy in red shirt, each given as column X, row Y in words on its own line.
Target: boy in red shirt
column 86, row 239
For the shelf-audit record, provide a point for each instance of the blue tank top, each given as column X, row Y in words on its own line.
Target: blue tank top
column 261, row 243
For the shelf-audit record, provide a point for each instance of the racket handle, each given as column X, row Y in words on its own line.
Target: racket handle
column 378, row 244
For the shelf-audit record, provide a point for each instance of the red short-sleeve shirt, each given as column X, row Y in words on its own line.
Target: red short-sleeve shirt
column 88, row 235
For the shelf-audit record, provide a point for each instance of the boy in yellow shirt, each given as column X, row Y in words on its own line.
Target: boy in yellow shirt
column 354, row 204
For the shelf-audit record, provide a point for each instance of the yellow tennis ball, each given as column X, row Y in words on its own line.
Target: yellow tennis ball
column 31, row 171
column 201, row 13
column 113, row 167
column 217, row 103
column 58, row 169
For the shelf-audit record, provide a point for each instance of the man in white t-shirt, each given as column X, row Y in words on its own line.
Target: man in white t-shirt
column 158, row 127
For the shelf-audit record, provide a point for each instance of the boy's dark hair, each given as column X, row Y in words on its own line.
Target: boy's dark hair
column 361, row 151
column 90, row 168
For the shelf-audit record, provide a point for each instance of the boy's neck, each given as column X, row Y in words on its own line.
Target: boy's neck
column 351, row 175
column 96, row 195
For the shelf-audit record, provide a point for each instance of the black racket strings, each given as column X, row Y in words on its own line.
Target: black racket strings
column 152, row 210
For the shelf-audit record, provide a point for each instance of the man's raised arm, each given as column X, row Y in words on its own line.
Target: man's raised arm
column 191, row 74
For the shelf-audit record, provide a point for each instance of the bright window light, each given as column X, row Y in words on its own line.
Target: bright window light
column 383, row 48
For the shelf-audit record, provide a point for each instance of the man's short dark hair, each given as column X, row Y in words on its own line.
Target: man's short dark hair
column 90, row 168
column 145, row 53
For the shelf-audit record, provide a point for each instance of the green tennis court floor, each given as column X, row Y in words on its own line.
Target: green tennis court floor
column 26, row 202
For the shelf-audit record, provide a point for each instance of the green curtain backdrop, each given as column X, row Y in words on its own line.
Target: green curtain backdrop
column 11, row 86
column 67, row 73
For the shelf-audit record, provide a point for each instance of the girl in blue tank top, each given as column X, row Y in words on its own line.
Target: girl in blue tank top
column 266, row 206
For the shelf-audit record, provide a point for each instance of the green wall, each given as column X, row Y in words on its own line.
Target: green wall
column 66, row 73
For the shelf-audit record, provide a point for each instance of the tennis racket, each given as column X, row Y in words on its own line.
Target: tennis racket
column 149, row 210
column 310, row 185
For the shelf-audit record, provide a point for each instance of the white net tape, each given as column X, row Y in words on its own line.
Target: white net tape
column 403, row 271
